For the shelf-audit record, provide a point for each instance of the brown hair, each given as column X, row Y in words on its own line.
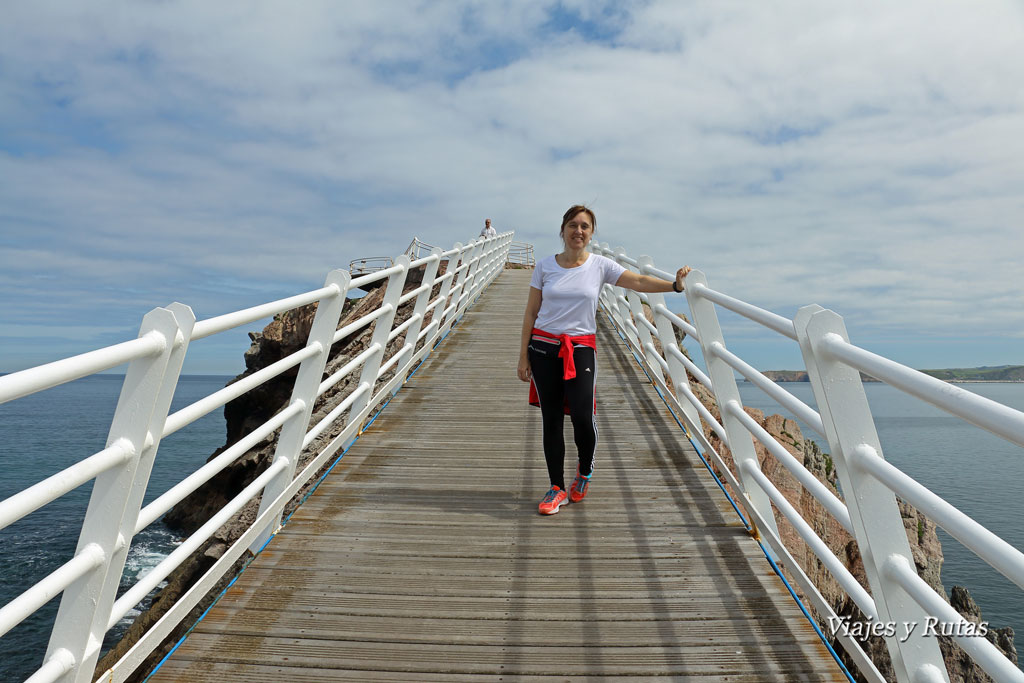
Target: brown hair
column 574, row 211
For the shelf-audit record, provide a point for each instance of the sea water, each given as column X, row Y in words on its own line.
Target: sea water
column 975, row 471
column 45, row 433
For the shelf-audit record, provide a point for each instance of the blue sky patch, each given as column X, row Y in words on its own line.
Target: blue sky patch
column 785, row 134
column 605, row 28
column 563, row 153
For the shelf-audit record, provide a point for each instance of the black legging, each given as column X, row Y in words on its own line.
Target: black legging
column 554, row 394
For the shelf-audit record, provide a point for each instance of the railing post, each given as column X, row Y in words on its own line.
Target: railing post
column 475, row 257
column 450, row 289
column 480, row 271
column 304, row 391
column 506, row 248
column 607, row 297
column 874, row 513
column 636, row 307
column 491, row 250
column 438, row 313
column 501, row 246
column 381, row 330
column 741, row 442
column 418, row 311
column 608, row 293
column 496, row 262
column 619, row 296
column 459, row 284
column 117, row 493
column 669, row 340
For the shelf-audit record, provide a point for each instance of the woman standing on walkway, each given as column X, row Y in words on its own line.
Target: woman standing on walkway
column 558, row 353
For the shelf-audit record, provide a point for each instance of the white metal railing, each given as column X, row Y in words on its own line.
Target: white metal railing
column 868, row 509
column 418, row 248
column 521, row 254
column 369, row 264
column 88, row 581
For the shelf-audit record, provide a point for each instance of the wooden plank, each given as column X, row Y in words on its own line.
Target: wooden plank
column 214, row 672
column 776, row 663
column 374, row 627
column 618, row 585
column 422, row 556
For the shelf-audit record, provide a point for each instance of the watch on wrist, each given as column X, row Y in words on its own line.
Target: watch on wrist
column 675, row 284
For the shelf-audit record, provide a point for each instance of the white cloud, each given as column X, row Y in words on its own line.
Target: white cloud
column 863, row 157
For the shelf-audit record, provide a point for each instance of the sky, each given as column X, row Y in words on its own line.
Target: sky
column 867, row 157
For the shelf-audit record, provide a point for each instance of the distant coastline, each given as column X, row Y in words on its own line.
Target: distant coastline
column 1001, row 374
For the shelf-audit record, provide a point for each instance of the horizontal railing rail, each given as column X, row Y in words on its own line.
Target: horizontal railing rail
column 869, row 484
column 87, row 583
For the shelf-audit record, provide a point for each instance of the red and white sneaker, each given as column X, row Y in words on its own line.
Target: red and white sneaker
column 553, row 499
column 579, row 485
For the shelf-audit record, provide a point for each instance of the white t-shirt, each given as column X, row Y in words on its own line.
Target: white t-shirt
column 569, row 295
column 488, row 232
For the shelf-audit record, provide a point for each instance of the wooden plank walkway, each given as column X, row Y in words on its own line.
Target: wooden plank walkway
column 422, row 557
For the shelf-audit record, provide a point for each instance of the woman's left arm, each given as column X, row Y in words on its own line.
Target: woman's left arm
column 649, row 283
